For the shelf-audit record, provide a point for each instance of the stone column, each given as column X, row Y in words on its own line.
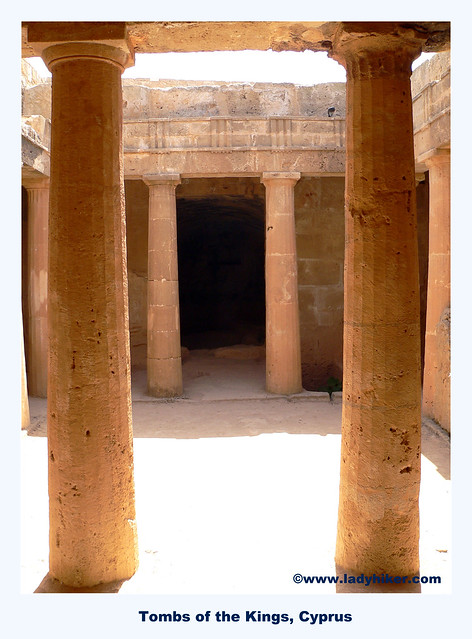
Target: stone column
column 164, row 363
column 91, row 484
column 283, row 360
column 378, row 520
column 25, row 414
column 437, row 365
column 37, row 265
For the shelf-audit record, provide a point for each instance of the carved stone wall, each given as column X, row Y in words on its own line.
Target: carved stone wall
column 220, row 138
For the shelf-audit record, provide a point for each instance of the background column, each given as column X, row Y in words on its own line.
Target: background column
column 25, row 414
column 37, row 265
column 91, row 486
column 164, row 362
column 283, row 360
column 378, row 519
column 437, row 364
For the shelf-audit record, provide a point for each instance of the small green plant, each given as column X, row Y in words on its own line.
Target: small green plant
column 333, row 384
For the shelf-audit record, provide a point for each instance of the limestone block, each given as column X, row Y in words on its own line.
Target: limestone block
column 330, row 299
column 329, row 238
column 435, row 135
column 304, row 218
column 307, row 303
column 137, row 136
column 135, row 101
column 185, row 101
column 137, row 287
column 37, row 100
column 29, row 75
column 41, row 127
column 431, row 71
column 305, row 246
column 317, row 99
column 34, row 156
column 277, row 100
column 319, row 272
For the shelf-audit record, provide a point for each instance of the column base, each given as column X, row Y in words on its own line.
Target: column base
column 278, row 388
column 164, row 377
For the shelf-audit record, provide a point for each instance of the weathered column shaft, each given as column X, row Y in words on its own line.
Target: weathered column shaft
column 164, row 363
column 37, row 265
column 437, row 365
column 378, row 520
column 283, row 360
column 91, row 484
column 25, row 413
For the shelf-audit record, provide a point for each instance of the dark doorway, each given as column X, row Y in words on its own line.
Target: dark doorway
column 221, row 271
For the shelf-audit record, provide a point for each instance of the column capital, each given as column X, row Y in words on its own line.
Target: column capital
column 376, row 49
column 419, row 177
column 55, row 41
column 290, row 176
column 31, row 183
column 157, row 179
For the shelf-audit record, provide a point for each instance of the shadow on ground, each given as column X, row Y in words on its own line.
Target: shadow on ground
column 436, row 446
column 51, row 585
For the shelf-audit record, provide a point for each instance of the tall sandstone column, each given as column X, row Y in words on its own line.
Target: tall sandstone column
column 283, row 360
column 37, row 265
column 164, row 362
column 437, row 365
column 91, row 486
column 378, row 519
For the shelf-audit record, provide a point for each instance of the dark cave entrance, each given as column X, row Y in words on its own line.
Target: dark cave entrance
column 221, row 271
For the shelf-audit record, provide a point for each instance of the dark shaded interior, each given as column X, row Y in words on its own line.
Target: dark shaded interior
column 221, row 271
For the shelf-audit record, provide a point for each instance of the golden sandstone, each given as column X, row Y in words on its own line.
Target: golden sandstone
column 324, row 180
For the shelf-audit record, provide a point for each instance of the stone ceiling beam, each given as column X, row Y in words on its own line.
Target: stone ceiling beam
column 164, row 37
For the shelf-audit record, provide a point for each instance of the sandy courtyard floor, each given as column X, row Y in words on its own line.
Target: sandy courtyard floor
column 236, row 490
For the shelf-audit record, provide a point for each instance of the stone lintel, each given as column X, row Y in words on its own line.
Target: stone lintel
column 35, row 160
column 155, row 179
column 425, row 160
column 30, row 182
column 230, row 162
column 160, row 37
column 241, row 174
column 436, row 156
